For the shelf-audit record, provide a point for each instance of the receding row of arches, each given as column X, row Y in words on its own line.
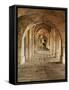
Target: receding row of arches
column 41, row 42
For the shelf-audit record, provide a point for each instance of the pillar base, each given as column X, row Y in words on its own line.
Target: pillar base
column 22, row 60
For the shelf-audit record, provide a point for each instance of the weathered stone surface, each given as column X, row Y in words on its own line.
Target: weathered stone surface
column 38, row 72
column 41, row 42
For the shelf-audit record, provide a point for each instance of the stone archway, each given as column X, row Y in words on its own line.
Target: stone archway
column 54, row 38
column 23, row 57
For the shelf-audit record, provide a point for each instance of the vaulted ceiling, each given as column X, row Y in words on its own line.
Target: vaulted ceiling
column 51, row 17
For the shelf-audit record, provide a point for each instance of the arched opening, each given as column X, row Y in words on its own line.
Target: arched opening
column 41, row 43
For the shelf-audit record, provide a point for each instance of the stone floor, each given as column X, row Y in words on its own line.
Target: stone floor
column 38, row 72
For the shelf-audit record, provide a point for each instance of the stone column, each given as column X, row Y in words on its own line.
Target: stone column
column 30, row 44
column 27, row 47
column 22, row 53
column 51, row 44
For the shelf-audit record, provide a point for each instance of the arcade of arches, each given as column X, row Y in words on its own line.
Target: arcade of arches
column 41, row 44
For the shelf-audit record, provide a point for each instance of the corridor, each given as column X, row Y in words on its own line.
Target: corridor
column 41, row 44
